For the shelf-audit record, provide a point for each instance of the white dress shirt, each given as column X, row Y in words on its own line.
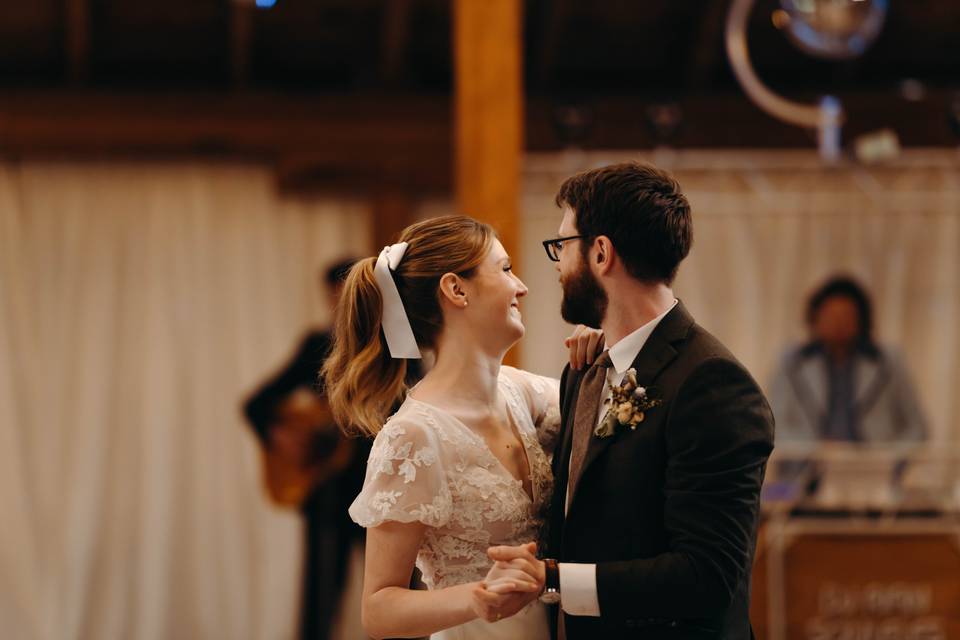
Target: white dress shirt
column 578, row 582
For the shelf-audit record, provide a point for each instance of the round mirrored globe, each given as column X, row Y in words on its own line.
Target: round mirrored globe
column 834, row 29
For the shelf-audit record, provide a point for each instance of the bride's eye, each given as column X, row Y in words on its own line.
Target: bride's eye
column 508, row 267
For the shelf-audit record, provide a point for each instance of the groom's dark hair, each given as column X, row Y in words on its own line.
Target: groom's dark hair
column 640, row 208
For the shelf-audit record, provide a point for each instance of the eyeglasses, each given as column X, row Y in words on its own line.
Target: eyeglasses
column 554, row 246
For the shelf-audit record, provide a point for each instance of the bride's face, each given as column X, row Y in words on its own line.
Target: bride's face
column 494, row 294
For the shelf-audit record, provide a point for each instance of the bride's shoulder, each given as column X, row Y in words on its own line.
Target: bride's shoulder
column 513, row 376
column 529, row 384
column 539, row 394
column 412, row 421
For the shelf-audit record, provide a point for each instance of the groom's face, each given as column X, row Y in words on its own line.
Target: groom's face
column 584, row 300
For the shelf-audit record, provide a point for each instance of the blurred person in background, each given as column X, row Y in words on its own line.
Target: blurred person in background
column 310, row 466
column 842, row 386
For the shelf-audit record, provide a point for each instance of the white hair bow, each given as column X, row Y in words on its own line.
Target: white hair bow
column 396, row 325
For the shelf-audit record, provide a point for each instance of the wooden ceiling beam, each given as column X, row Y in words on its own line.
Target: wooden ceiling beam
column 241, row 32
column 355, row 143
column 732, row 121
column 77, row 46
column 71, row 122
column 550, row 17
column 56, row 122
column 706, row 44
column 396, row 35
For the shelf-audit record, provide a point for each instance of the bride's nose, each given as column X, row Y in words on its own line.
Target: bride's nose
column 522, row 288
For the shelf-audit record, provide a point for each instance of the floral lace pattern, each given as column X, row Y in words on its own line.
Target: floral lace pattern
column 427, row 466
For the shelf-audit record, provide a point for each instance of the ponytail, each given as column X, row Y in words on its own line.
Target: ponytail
column 363, row 382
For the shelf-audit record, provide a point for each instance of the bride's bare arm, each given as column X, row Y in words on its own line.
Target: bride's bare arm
column 391, row 609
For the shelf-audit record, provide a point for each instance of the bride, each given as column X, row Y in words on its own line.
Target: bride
column 461, row 465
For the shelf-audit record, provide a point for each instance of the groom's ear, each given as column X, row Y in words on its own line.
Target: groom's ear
column 603, row 254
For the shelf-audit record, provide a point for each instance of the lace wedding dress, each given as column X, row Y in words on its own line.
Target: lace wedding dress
column 428, row 466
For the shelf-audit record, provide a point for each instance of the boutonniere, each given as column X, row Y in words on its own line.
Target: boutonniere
column 628, row 404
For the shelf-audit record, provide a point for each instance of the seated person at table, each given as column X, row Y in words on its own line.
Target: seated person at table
column 841, row 385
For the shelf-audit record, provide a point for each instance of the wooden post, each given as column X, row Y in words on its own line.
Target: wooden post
column 392, row 212
column 488, row 44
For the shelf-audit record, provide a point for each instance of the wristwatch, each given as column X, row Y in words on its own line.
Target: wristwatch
column 551, row 588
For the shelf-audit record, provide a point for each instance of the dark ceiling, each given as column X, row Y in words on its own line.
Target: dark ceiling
column 320, row 85
column 654, row 48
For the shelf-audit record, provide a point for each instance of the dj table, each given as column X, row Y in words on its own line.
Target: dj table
column 859, row 544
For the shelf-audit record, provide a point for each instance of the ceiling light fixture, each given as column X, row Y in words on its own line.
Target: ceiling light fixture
column 836, row 29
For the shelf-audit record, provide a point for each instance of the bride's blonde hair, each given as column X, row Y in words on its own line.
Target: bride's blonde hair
column 362, row 381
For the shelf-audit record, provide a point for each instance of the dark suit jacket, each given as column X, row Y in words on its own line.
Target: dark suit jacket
column 669, row 512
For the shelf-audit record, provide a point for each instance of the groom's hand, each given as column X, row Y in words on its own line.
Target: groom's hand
column 511, row 584
column 506, row 577
column 522, row 558
column 584, row 345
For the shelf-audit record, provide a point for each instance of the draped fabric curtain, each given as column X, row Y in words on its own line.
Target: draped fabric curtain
column 139, row 303
column 768, row 228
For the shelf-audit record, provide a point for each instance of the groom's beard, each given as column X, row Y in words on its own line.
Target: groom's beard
column 584, row 300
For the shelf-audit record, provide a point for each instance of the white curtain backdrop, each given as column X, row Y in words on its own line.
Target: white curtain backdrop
column 140, row 303
column 768, row 228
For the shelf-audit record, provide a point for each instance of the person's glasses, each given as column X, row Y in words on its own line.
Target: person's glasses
column 554, row 246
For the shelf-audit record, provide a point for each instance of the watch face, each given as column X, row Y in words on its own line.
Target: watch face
column 550, row 597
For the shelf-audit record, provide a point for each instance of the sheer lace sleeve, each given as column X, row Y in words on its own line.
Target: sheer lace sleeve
column 543, row 397
column 405, row 479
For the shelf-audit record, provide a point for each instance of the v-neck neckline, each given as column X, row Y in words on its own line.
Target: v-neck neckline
column 532, row 496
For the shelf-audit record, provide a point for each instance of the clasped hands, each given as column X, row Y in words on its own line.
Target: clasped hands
column 515, row 580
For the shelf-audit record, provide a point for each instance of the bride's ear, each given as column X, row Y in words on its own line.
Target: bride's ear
column 451, row 290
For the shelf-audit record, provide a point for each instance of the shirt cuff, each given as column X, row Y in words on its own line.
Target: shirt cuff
column 578, row 589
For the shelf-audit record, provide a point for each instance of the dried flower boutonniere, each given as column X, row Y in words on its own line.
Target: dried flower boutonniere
column 628, row 404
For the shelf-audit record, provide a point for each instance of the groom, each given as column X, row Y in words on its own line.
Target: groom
column 653, row 523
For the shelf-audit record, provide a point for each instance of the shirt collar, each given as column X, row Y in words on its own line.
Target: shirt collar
column 625, row 351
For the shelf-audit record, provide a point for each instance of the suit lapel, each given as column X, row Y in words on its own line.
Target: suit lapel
column 656, row 354
column 813, row 374
column 570, row 389
column 872, row 375
column 808, row 378
column 867, row 375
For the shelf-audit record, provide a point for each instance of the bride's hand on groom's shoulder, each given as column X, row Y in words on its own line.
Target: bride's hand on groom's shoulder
column 584, row 345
